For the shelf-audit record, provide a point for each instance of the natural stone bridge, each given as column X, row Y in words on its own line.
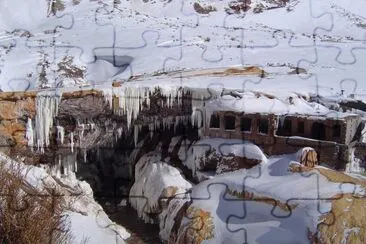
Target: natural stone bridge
column 52, row 122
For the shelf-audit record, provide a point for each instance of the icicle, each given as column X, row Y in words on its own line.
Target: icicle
column 119, row 131
column 92, row 126
column 108, row 96
column 60, row 134
column 72, row 141
column 81, row 128
column 84, row 155
column 65, row 164
column 363, row 134
column 75, row 166
column 29, row 134
column 46, row 109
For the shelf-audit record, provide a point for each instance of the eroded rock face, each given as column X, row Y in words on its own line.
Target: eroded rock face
column 216, row 162
column 231, row 163
column 87, row 107
column 198, row 227
column 14, row 113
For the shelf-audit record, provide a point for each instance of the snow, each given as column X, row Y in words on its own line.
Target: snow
column 152, row 178
column 266, row 103
column 262, row 222
column 103, row 232
column 191, row 157
column 32, row 14
column 158, row 37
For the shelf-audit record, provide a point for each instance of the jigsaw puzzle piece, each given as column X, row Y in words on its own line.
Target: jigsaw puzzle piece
column 134, row 37
column 331, row 76
column 19, row 76
column 347, row 34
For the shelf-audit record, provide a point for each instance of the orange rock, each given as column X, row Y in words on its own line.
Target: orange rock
column 26, row 106
column 13, row 130
column 13, row 110
column 8, row 110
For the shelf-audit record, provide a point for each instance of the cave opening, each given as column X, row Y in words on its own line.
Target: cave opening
column 109, row 168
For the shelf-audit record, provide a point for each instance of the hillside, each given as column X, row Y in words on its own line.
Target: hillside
column 91, row 42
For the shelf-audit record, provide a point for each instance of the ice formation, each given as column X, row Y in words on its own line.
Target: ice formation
column 132, row 98
column 60, row 134
column 72, row 141
column 363, row 134
column 137, row 129
column 47, row 108
column 81, row 127
column 29, row 134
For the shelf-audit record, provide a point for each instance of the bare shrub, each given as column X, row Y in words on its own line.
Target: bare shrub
column 28, row 214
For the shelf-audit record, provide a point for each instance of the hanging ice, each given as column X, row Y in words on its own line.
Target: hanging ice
column 72, row 141
column 137, row 129
column 130, row 101
column 60, row 134
column 132, row 98
column 46, row 109
column 29, row 134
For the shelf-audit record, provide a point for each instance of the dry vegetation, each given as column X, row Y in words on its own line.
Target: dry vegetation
column 346, row 221
column 347, row 218
column 27, row 214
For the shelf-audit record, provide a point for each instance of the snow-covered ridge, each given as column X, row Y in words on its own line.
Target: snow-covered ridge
column 167, row 35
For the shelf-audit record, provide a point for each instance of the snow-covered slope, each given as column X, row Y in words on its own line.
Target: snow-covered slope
column 85, row 218
column 261, row 205
column 92, row 42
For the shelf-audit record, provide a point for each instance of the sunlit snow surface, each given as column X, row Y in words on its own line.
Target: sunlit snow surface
column 308, row 194
column 170, row 35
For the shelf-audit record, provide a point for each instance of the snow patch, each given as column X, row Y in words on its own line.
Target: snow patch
column 152, row 178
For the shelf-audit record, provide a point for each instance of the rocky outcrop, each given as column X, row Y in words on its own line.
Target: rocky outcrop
column 15, row 109
column 197, row 228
